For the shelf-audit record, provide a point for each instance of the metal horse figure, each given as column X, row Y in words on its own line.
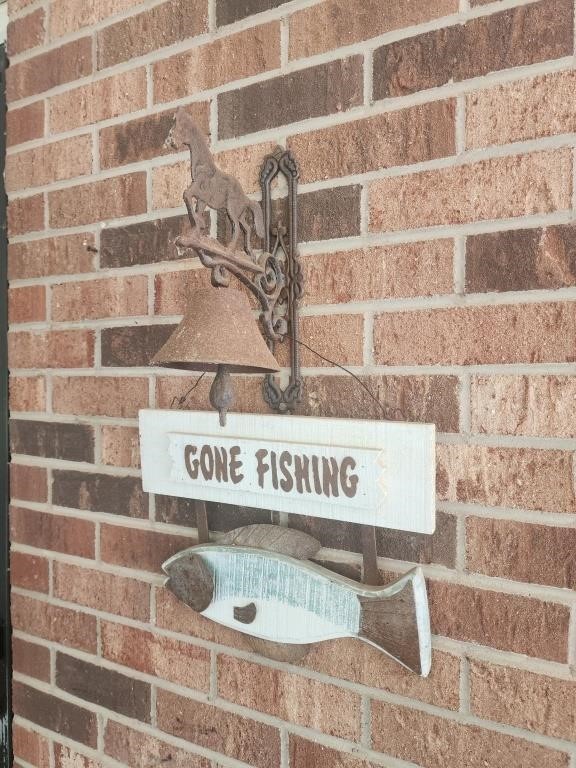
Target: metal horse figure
column 210, row 186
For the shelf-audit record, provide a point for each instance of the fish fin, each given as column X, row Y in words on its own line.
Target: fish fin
column 396, row 620
column 273, row 538
column 245, row 613
column 285, row 652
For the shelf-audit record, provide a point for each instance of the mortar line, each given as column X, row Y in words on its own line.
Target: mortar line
column 256, row 20
column 395, row 699
column 525, row 148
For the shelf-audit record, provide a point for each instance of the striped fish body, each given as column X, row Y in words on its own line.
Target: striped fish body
column 281, row 599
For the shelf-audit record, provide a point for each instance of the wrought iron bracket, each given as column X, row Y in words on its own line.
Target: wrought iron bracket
column 281, row 241
column 273, row 275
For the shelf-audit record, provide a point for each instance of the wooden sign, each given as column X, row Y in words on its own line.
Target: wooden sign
column 372, row 472
column 279, row 596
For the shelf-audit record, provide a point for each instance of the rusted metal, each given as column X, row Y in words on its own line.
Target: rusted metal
column 218, row 333
column 371, row 574
column 202, row 522
column 282, row 242
column 273, row 274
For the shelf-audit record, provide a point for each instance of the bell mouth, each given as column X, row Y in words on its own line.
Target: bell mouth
column 212, row 367
column 219, row 328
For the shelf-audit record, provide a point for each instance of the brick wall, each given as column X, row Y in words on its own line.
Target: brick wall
column 436, row 143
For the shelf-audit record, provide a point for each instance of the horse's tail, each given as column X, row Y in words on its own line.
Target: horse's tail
column 258, row 218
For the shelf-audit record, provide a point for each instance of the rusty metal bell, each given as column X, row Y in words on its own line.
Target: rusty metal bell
column 218, row 333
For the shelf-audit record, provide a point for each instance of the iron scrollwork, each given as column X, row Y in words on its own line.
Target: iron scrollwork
column 282, row 243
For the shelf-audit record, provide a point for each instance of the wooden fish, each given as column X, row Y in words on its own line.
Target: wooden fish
column 260, row 582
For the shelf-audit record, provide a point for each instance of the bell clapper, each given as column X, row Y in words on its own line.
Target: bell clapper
column 222, row 392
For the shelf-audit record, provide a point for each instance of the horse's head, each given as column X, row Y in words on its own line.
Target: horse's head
column 182, row 131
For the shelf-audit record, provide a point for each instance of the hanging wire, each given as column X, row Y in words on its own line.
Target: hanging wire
column 180, row 401
column 388, row 413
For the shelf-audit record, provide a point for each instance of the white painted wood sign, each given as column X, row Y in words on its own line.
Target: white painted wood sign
column 372, row 472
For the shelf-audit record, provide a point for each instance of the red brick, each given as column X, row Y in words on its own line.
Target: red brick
column 57, row 533
column 69, row 254
column 506, row 477
column 325, row 89
column 163, row 657
column 98, row 492
column 47, row 70
column 513, row 38
column 407, row 136
column 92, row 299
column 71, row 15
column 522, row 110
column 536, row 554
column 218, row 62
column 477, row 335
column 406, row 398
column 246, row 740
column 100, row 396
column 51, row 349
column 25, row 123
column 436, row 742
column 30, row 747
column 147, row 242
column 331, row 24
column 27, row 393
column 28, row 483
column 120, row 446
column 107, row 199
column 499, row 620
column 25, row 32
column 290, row 697
column 131, row 747
column 31, row 659
column 27, row 304
column 29, row 572
column 50, row 622
column 155, row 28
column 499, row 188
column 144, row 550
column 14, row 6
column 102, row 591
column 357, row 662
column 144, row 138
column 336, row 337
column 304, row 754
column 392, row 271
column 64, row 757
column 174, row 615
column 25, row 214
column 54, row 714
column 521, row 259
column 100, row 100
column 104, row 687
column 524, row 405
column 523, row 699
column 52, row 162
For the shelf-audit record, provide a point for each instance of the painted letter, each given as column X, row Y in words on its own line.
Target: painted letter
column 235, row 465
column 262, row 467
column 349, row 483
column 330, row 472
column 287, row 483
column 191, row 467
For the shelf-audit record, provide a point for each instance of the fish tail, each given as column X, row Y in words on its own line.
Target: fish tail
column 396, row 620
